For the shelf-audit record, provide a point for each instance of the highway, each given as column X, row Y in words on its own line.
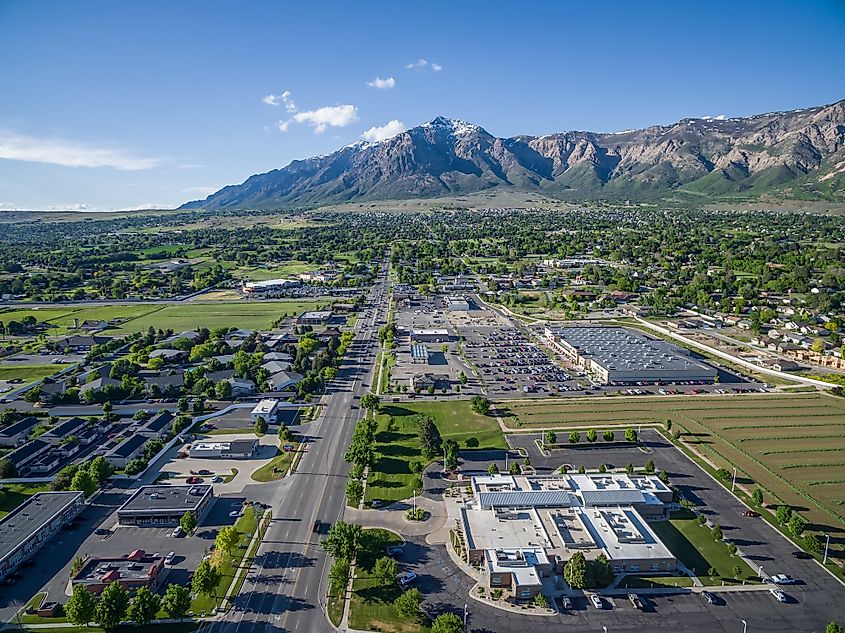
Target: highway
column 286, row 588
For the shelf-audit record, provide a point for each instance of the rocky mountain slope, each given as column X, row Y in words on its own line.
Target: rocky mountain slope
column 800, row 153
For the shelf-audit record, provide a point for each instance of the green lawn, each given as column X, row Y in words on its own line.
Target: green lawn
column 246, row 525
column 397, row 443
column 694, row 545
column 13, row 495
column 169, row 627
column 263, row 273
column 371, row 605
column 277, row 467
column 650, row 582
column 189, row 316
column 28, row 373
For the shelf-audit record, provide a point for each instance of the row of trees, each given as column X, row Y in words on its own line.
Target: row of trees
column 115, row 605
column 591, row 436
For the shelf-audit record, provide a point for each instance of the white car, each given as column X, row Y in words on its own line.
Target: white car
column 177, row 532
column 783, row 579
column 597, row 601
column 168, row 560
column 235, row 514
column 778, row 594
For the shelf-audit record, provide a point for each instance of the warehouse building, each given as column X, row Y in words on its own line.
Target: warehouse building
column 226, row 449
column 165, row 505
column 430, row 336
column 456, row 304
column 521, row 529
column 615, row 355
column 26, row 528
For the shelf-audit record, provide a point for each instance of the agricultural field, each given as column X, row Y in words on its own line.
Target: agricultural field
column 397, row 443
column 61, row 319
column 792, row 445
column 188, row 316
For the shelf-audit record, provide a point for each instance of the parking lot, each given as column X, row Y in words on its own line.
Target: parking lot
column 812, row 603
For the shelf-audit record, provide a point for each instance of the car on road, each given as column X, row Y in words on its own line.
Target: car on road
column 783, row 579
column 751, row 513
column 216, row 479
column 597, row 601
column 711, row 599
column 778, row 595
column 634, row 599
column 102, row 531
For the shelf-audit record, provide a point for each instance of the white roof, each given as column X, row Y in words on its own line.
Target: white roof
column 266, row 406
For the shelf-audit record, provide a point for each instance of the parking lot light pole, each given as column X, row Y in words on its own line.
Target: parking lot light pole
column 733, row 481
column 744, row 626
column 466, row 610
column 604, row 628
column 826, row 546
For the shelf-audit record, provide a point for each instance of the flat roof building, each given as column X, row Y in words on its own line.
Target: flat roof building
column 456, row 304
column 225, row 449
column 430, row 336
column 137, row 569
column 419, row 353
column 525, row 528
column 317, row 317
column 621, row 355
column 165, row 505
column 26, row 528
column 267, row 408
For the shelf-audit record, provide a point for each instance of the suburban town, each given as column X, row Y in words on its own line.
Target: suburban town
column 422, row 318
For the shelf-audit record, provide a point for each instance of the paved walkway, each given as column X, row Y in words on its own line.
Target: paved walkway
column 392, row 517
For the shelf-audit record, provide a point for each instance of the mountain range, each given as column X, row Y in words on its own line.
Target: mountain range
column 795, row 154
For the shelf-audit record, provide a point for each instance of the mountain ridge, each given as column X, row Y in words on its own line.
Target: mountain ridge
column 796, row 153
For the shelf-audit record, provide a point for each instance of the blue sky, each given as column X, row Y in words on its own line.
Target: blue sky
column 110, row 105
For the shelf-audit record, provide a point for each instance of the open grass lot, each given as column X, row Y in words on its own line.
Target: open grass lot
column 263, row 273
column 371, row 605
column 397, row 442
column 15, row 494
column 27, row 373
column 167, row 627
column 62, row 318
column 277, row 467
column 229, row 564
column 694, row 545
column 188, row 316
column 792, row 445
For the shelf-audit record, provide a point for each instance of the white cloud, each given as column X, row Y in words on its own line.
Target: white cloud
column 68, row 153
column 206, row 191
column 424, row 63
column 282, row 99
column 283, row 125
column 391, row 128
column 322, row 118
column 382, row 84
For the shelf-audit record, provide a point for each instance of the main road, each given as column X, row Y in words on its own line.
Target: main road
column 286, row 588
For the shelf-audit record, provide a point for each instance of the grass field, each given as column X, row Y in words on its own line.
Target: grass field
column 792, row 445
column 188, row 316
column 397, row 444
column 246, row 525
column 263, row 273
column 27, row 373
column 694, row 545
column 371, row 605
column 15, row 494
column 62, row 318
column 277, row 467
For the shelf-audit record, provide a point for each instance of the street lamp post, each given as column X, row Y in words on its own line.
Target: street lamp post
column 733, row 481
column 415, row 501
column 466, row 611
column 826, row 546
column 744, row 626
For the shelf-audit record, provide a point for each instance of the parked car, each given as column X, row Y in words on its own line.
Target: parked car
column 597, row 601
column 406, row 579
column 565, row 603
column 750, row 513
column 634, row 599
column 236, row 513
column 216, row 479
column 168, row 560
column 177, row 531
column 778, row 594
column 783, row 579
column 711, row 599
